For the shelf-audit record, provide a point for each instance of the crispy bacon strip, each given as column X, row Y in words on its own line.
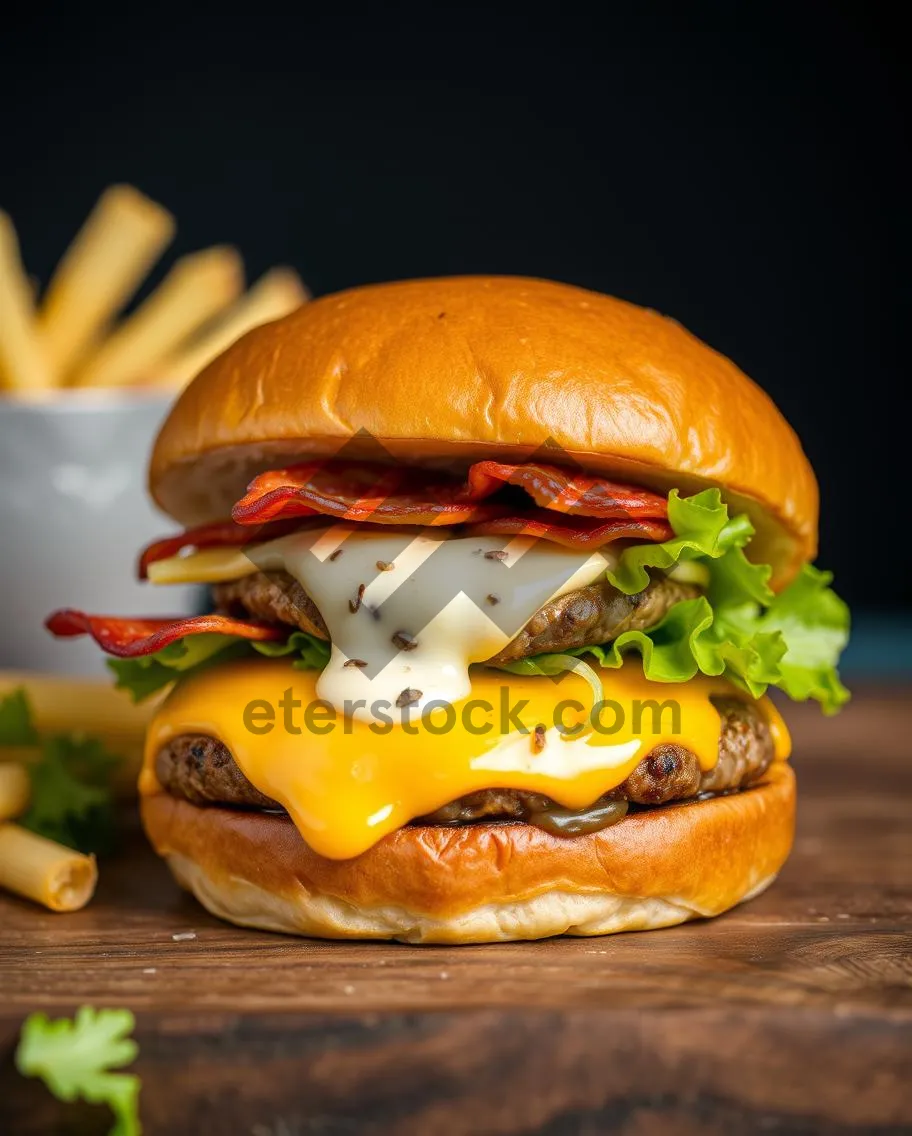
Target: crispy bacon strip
column 280, row 501
column 129, row 638
column 361, row 491
column 219, row 534
column 574, row 532
column 564, row 492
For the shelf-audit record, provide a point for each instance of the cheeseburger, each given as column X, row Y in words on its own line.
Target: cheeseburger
column 501, row 572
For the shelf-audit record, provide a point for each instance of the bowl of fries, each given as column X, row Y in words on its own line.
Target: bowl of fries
column 83, row 391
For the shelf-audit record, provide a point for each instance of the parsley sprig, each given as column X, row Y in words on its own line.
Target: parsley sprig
column 72, row 800
column 76, row 1058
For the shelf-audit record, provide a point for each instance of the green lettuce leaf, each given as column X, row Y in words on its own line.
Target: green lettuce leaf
column 739, row 629
column 143, row 676
column 312, row 653
column 814, row 624
column 703, row 532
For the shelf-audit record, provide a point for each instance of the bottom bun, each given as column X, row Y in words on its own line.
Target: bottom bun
column 482, row 883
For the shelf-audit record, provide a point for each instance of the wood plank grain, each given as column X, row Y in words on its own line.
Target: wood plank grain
column 791, row 1014
column 511, row 1071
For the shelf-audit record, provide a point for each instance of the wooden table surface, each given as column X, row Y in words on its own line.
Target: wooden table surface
column 792, row 1014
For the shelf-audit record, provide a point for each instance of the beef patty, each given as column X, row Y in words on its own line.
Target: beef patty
column 597, row 613
column 201, row 770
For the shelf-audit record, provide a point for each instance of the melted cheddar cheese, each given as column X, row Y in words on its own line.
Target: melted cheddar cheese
column 346, row 783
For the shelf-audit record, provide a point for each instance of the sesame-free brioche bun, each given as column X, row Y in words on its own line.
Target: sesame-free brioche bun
column 446, row 372
column 482, row 883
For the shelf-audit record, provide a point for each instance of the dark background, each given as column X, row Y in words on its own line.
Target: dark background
column 739, row 167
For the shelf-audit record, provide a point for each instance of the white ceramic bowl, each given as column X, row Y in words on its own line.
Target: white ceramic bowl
column 74, row 513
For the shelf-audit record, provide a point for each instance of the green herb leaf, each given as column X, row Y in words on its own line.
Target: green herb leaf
column 75, row 1058
column 16, row 727
column 71, row 799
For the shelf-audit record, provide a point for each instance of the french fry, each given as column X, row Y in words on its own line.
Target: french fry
column 23, row 364
column 15, row 790
column 196, row 289
column 44, row 871
column 121, row 240
column 274, row 295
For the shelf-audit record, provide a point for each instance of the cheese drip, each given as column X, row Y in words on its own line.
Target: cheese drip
column 346, row 785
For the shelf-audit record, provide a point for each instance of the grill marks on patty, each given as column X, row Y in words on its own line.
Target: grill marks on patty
column 594, row 614
column 202, row 771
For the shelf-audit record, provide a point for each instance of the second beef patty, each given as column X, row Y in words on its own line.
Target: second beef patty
column 201, row 770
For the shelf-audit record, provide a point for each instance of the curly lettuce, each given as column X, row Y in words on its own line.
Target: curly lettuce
column 144, row 676
column 739, row 629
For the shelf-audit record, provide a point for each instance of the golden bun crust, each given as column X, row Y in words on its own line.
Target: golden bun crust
column 484, row 882
column 447, row 371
